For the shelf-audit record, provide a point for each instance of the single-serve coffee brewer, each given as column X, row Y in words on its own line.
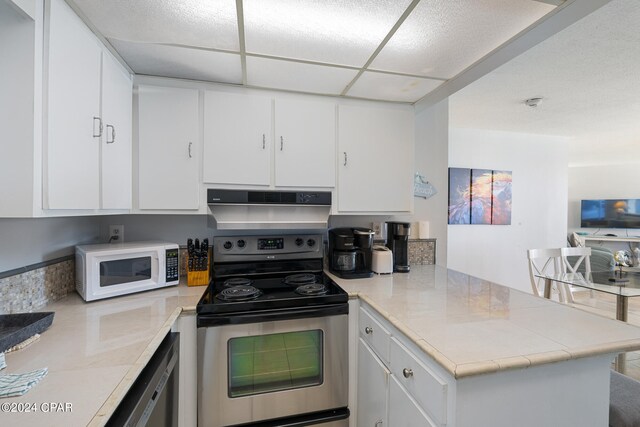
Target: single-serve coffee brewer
column 350, row 252
column 398, row 242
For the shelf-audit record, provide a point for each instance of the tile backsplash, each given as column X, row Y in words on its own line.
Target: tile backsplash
column 32, row 290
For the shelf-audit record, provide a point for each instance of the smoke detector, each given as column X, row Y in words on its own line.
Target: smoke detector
column 533, row 102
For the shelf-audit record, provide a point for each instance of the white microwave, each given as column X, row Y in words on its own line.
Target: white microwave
column 109, row 270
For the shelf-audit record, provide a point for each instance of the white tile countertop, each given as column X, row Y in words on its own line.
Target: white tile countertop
column 94, row 352
column 470, row 326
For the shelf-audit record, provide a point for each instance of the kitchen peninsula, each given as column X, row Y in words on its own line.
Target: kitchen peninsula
column 467, row 352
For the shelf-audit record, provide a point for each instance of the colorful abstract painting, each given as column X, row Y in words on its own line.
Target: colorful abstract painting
column 501, row 198
column 479, row 196
column 459, row 196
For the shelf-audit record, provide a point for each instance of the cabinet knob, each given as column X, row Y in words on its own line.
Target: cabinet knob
column 407, row 372
column 368, row 330
column 190, row 144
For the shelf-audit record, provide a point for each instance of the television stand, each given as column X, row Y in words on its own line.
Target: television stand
column 592, row 238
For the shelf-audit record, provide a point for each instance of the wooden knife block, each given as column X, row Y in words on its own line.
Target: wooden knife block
column 199, row 278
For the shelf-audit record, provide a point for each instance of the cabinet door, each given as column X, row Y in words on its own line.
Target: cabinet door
column 375, row 159
column 237, row 139
column 373, row 386
column 168, row 148
column 305, row 143
column 116, row 138
column 72, row 172
column 403, row 410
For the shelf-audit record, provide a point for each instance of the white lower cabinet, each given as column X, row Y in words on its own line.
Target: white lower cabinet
column 373, row 381
column 396, row 388
column 404, row 411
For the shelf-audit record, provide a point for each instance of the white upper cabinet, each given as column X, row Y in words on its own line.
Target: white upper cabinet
column 168, row 148
column 237, row 139
column 375, row 159
column 305, row 143
column 116, row 135
column 239, row 146
column 89, row 98
column 72, row 172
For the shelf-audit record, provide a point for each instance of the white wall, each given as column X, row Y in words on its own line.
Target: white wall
column 539, row 204
column 432, row 141
column 26, row 241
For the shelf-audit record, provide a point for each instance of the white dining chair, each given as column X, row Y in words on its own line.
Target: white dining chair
column 580, row 262
column 544, row 262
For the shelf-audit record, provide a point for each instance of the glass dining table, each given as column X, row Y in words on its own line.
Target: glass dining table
column 622, row 284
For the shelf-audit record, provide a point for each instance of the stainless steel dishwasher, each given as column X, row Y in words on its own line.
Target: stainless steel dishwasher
column 153, row 398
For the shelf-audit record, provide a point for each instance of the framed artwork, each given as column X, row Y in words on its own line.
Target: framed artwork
column 459, row 196
column 479, row 196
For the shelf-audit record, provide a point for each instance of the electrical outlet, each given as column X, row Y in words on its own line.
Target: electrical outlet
column 378, row 229
column 116, row 233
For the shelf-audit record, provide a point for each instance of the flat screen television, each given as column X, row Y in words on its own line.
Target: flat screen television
column 612, row 213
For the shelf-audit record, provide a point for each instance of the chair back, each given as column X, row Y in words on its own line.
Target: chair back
column 543, row 262
column 575, row 258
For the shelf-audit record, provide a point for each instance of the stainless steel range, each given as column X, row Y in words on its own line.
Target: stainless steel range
column 272, row 336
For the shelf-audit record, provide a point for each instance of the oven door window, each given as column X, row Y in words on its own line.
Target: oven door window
column 125, row 271
column 268, row 363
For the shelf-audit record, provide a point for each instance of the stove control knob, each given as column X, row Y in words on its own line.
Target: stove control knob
column 227, row 245
column 241, row 243
column 311, row 243
column 299, row 242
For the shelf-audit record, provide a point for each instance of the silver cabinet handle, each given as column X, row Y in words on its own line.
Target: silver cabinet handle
column 281, row 143
column 99, row 127
column 190, row 144
column 378, row 423
column 113, row 134
column 407, row 372
column 345, row 158
column 368, row 330
column 264, row 139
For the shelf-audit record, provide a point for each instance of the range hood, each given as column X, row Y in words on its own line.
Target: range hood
column 281, row 210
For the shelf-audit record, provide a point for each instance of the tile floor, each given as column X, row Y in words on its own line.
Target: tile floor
column 605, row 305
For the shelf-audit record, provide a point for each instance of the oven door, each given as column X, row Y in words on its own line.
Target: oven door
column 259, row 371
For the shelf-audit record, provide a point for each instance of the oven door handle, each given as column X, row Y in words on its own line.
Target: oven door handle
column 210, row 319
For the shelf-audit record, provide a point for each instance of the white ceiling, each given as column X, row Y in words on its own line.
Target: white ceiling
column 588, row 75
column 393, row 50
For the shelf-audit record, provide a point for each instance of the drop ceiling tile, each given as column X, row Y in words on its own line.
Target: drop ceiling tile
column 441, row 38
column 180, row 62
column 344, row 32
column 392, row 87
column 210, row 23
column 296, row 76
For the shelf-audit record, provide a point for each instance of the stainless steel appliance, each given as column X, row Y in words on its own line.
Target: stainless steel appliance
column 350, row 252
column 261, row 210
column 398, row 242
column 272, row 336
column 153, row 398
column 113, row 269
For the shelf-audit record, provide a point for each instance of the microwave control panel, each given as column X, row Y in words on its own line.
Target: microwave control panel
column 172, row 265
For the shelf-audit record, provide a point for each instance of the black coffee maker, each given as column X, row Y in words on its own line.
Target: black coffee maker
column 398, row 242
column 350, row 252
